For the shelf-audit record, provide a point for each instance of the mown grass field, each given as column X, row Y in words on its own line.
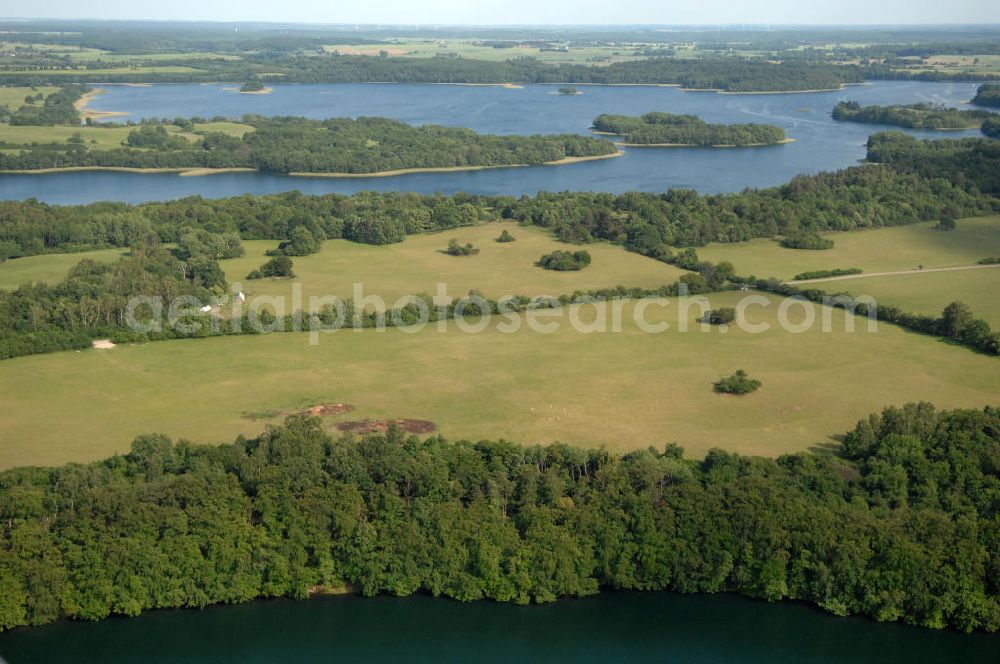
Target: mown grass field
column 930, row 292
column 237, row 129
column 49, row 268
column 138, row 58
column 412, row 267
column 875, row 250
column 13, row 98
column 101, row 136
column 419, row 263
column 626, row 390
column 108, row 71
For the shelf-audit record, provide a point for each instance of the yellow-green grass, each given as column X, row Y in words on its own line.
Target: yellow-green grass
column 419, row 263
column 977, row 64
column 103, row 136
column 875, row 250
column 429, row 48
column 625, row 390
column 117, row 58
column 13, row 97
column 108, row 71
column 237, row 129
column 98, row 55
column 930, row 292
column 74, row 52
column 49, row 268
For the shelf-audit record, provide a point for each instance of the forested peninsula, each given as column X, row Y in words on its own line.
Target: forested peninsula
column 911, row 116
column 672, row 130
column 988, row 94
column 297, row 145
column 897, row 525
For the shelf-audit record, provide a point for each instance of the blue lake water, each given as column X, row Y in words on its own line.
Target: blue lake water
column 821, row 144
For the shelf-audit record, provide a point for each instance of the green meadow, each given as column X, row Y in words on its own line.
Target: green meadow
column 876, row 250
column 414, row 266
column 107, row 71
column 625, row 390
column 100, row 136
column 419, row 263
column 930, row 292
column 13, row 98
column 49, row 268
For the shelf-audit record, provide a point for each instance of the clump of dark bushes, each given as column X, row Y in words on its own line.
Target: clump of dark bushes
column 279, row 266
column 565, row 261
column 806, row 240
column 721, row 316
column 739, row 383
column 456, row 249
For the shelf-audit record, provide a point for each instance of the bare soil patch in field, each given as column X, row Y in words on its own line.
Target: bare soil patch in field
column 381, row 426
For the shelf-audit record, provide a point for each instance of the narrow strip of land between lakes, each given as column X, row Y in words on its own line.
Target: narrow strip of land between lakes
column 197, row 170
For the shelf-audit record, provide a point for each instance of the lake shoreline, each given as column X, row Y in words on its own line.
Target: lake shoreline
column 183, row 171
column 455, row 169
column 784, row 141
column 195, row 171
column 517, row 85
column 81, row 107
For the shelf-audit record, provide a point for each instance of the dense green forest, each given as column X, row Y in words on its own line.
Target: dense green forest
column 988, row 94
column 912, row 116
column 298, row 145
column 971, row 163
column 671, row 129
column 991, row 127
column 899, row 525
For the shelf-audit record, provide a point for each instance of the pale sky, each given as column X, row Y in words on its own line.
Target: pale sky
column 507, row 12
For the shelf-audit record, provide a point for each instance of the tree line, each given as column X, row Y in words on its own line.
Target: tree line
column 272, row 66
column 898, row 525
column 956, row 323
column 672, row 129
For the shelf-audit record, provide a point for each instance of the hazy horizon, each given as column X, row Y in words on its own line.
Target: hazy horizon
column 756, row 13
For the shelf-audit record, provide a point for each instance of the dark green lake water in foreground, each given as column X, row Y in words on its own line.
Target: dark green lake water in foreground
column 609, row 627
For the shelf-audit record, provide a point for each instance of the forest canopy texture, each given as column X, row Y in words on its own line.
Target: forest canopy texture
column 298, row 145
column 672, row 129
column 911, row 116
column 900, row 525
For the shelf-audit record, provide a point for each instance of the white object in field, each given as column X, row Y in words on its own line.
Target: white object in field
column 205, row 309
